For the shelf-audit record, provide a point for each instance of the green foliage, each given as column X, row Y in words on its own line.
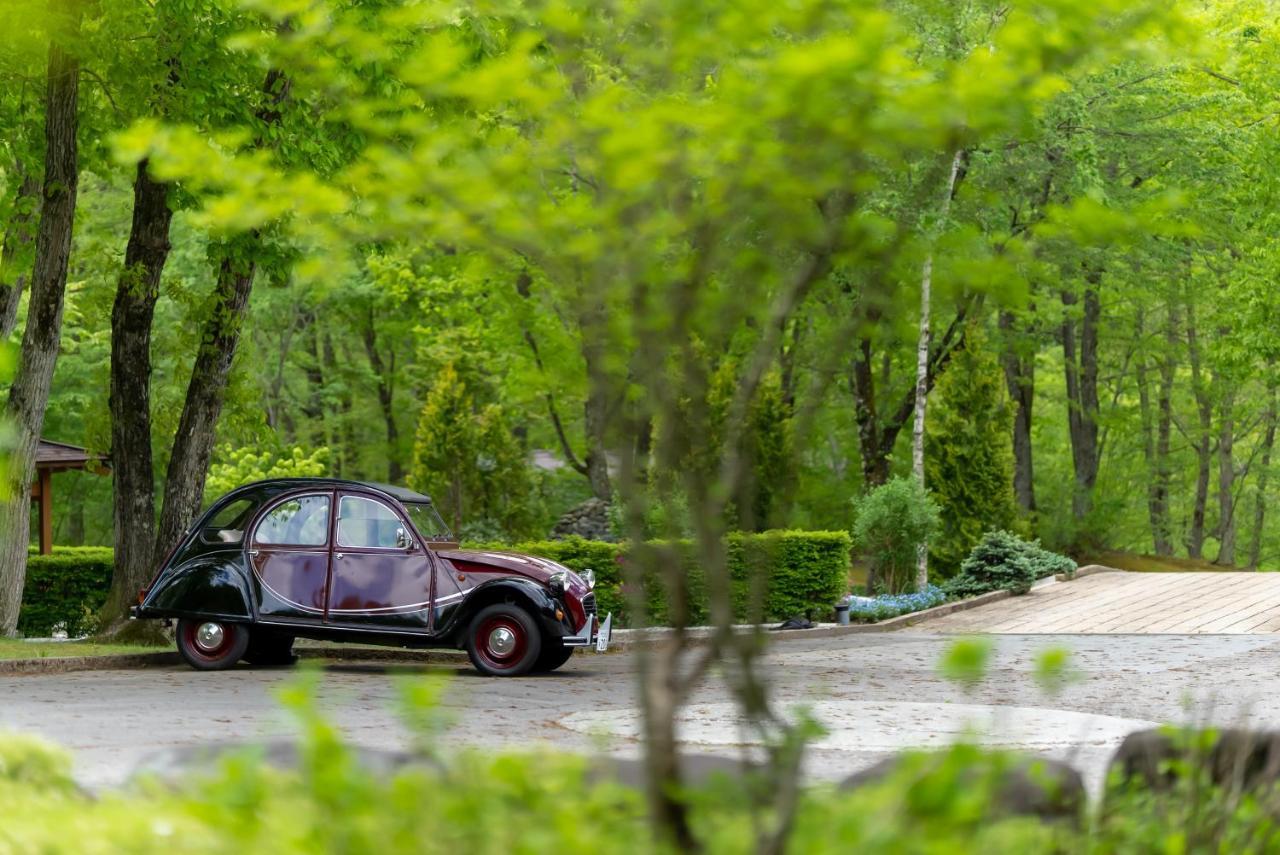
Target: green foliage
column 66, row 588
column 966, row 661
column 1002, row 561
column 469, row 461
column 969, row 455
column 238, row 467
column 891, row 524
column 775, row 574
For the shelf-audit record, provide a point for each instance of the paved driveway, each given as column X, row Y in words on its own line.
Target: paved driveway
column 875, row 693
column 1124, row 603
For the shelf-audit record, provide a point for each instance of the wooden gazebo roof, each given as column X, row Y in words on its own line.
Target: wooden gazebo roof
column 58, row 457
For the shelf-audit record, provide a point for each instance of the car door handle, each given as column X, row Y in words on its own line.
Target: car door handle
column 337, row 556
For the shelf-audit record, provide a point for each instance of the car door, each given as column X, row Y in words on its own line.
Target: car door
column 289, row 554
column 381, row 575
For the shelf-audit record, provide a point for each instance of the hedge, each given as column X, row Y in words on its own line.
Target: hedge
column 67, row 587
column 799, row 573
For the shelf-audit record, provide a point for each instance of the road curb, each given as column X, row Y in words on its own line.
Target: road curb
column 65, row 664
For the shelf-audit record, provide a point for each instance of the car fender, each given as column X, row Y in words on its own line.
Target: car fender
column 525, row 592
column 209, row 585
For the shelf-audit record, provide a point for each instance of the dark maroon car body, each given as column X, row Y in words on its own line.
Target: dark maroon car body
column 354, row 561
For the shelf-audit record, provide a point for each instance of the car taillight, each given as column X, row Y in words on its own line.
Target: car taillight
column 142, row 595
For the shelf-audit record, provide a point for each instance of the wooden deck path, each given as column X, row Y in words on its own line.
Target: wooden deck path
column 1121, row 603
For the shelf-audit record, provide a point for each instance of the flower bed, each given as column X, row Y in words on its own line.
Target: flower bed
column 885, row 606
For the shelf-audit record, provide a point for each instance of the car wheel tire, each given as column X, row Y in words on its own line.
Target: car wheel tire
column 210, row 645
column 503, row 640
column 270, row 650
column 553, row 656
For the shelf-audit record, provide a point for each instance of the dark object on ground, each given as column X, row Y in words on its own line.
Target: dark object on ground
column 178, row 766
column 1029, row 786
column 696, row 768
column 589, row 520
column 350, row 561
column 794, row 623
column 1237, row 758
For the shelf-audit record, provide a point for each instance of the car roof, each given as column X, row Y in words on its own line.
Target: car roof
column 402, row 494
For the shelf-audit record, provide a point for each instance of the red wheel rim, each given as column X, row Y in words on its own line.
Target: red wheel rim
column 208, row 640
column 501, row 642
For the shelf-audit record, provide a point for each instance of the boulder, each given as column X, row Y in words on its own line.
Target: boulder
column 1239, row 758
column 1029, row 786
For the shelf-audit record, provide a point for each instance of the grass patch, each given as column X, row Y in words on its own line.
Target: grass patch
column 1154, row 563
column 14, row 648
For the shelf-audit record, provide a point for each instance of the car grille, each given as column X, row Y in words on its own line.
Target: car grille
column 589, row 604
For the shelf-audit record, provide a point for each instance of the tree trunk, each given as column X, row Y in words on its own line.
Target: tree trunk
column 207, row 389
column 1163, row 471
column 1154, row 450
column 1080, row 358
column 595, row 411
column 384, row 373
column 193, row 443
column 29, row 394
column 15, row 258
column 922, row 365
column 1203, row 443
column 1260, row 500
column 138, row 288
column 1020, row 378
column 1226, row 479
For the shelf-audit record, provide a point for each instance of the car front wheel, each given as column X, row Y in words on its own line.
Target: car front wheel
column 553, row 656
column 503, row 640
column 210, row 645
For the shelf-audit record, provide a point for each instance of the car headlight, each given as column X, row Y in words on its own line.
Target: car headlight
column 589, row 576
column 557, row 583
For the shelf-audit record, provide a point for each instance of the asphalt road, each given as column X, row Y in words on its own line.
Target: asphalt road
column 875, row 693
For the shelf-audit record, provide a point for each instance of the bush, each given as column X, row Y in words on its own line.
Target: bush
column 1005, row 562
column 68, row 588
column 892, row 522
column 885, row 606
column 799, row 573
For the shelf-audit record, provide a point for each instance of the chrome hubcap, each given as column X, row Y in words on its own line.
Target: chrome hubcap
column 209, row 636
column 502, row 641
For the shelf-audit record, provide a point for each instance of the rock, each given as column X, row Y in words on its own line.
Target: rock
column 177, row 766
column 696, row 769
column 1242, row 759
column 589, row 520
column 1029, row 786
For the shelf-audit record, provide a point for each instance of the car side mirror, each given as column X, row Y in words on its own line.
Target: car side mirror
column 403, row 540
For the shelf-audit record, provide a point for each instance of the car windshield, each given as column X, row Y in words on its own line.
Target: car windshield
column 428, row 522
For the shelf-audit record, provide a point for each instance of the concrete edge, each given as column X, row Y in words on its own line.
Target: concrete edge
column 65, row 664
column 622, row 639
column 1087, row 570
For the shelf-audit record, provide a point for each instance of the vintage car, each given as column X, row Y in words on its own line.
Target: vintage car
column 358, row 562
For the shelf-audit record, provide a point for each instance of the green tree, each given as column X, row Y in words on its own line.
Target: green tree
column 969, row 454
column 467, row 459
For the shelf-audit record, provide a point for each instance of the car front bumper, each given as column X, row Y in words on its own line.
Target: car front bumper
column 592, row 634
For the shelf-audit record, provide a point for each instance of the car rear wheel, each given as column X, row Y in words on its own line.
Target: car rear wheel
column 503, row 640
column 210, row 645
column 554, row 654
column 269, row 649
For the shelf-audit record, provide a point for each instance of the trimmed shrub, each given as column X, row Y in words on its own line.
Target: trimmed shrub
column 1005, row 562
column 775, row 574
column 892, row 522
column 68, row 588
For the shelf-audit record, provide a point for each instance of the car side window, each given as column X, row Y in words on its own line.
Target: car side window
column 300, row 521
column 365, row 523
column 227, row 525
